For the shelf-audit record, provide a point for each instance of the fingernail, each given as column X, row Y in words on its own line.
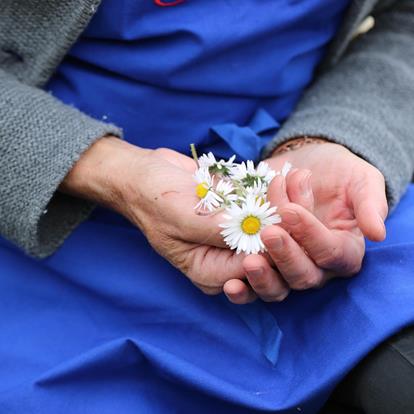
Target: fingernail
column 275, row 243
column 255, row 272
column 305, row 186
column 290, row 217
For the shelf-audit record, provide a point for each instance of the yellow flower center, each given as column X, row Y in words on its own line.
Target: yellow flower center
column 251, row 225
column 202, row 190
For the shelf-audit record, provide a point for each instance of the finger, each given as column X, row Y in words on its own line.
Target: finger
column 276, row 193
column 210, row 267
column 294, row 265
column 238, row 292
column 334, row 250
column 370, row 205
column 299, row 188
column 264, row 280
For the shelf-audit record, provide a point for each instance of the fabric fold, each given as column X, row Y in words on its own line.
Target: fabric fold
column 248, row 141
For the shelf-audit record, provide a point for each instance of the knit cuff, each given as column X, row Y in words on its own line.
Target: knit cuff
column 370, row 140
column 40, row 140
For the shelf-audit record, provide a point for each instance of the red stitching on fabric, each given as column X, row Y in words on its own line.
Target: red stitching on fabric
column 170, row 3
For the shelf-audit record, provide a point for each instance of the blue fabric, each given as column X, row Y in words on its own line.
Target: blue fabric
column 200, row 72
column 105, row 325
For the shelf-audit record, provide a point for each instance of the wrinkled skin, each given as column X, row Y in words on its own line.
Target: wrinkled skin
column 328, row 204
column 163, row 208
column 324, row 216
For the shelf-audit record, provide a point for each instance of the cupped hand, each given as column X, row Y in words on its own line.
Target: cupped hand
column 328, row 204
column 155, row 190
column 160, row 200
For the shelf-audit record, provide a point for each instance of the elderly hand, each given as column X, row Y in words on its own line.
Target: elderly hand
column 327, row 208
column 155, row 190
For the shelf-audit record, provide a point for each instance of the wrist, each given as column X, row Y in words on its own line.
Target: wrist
column 98, row 174
column 297, row 143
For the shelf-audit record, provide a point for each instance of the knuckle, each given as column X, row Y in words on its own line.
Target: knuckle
column 377, row 174
column 354, row 268
column 337, row 254
column 212, row 291
column 261, row 285
column 162, row 151
column 183, row 264
column 284, row 258
column 199, row 277
column 209, row 290
column 205, row 282
column 304, row 235
column 279, row 297
column 357, row 268
column 167, row 247
column 308, row 280
column 330, row 257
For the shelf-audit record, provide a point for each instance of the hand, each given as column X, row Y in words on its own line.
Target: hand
column 155, row 190
column 327, row 205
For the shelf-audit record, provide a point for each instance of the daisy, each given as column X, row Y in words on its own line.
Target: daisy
column 265, row 172
column 247, row 174
column 209, row 200
column 207, row 160
column 214, row 166
column 258, row 190
column 241, row 171
column 225, row 190
column 242, row 231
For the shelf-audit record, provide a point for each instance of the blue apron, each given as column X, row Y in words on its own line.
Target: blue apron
column 105, row 325
column 221, row 74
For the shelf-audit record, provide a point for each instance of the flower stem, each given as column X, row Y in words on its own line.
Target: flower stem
column 194, row 154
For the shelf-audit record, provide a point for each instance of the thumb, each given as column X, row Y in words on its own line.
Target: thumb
column 198, row 228
column 370, row 205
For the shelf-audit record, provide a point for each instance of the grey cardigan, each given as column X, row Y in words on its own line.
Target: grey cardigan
column 362, row 97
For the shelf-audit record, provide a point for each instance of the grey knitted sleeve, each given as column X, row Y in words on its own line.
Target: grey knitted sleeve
column 40, row 140
column 366, row 101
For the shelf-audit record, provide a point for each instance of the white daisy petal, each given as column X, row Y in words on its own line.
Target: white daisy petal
column 209, row 199
column 206, row 161
column 242, row 231
column 220, row 167
column 287, row 166
column 242, row 190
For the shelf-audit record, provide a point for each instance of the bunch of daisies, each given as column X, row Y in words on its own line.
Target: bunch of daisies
column 240, row 190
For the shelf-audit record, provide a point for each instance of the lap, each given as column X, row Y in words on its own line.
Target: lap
column 383, row 383
column 106, row 303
